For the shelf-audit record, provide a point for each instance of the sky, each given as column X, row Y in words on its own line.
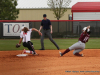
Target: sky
column 43, row 3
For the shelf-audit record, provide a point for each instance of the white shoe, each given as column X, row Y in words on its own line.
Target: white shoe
column 82, row 54
column 60, row 53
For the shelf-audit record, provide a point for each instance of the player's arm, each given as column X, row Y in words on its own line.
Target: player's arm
column 18, row 45
column 51, row 29
column 21, row 37
column 37, row 31
column 87, row 29
column 20, row 41
column 41, row 25
column 40, row 28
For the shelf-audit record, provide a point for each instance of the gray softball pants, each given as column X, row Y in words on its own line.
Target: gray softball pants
column 77, row 47
column 47, row 32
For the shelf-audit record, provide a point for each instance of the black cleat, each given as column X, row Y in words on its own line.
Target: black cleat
column 41, row 49
column 58, row 48
column 35, row 54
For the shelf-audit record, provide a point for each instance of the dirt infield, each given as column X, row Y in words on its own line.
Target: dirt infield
column 49, row 62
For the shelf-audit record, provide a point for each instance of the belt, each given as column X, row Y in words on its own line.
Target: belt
column 45, row 29
column 26, row 42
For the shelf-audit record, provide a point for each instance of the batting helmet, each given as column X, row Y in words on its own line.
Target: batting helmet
column 84, row 29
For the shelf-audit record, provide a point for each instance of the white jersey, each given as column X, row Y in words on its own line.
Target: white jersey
column 26, row 36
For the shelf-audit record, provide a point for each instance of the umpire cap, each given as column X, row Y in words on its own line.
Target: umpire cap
column 44, row 15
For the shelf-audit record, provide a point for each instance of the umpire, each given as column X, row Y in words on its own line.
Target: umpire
column 46, row 25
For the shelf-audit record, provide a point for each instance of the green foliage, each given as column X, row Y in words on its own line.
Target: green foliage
column 8, row 10
column 59, row 7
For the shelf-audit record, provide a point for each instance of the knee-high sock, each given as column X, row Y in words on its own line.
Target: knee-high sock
column 77, row 54
column 66, row 51
column 32, row 48
column 31, row 52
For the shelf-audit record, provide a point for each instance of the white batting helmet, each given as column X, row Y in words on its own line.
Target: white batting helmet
column 84, row 29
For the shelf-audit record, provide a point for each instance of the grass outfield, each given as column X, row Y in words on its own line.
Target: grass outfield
column 9, row 44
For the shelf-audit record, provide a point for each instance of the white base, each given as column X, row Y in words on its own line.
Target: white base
column 22, row 55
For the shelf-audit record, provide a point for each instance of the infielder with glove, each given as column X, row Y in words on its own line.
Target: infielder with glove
column 25, row 35
column 80, row 45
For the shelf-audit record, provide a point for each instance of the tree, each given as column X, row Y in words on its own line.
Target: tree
column 59, row 7
column 8, row 10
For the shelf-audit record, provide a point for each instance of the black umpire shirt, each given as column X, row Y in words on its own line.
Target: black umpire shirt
column 46, row 24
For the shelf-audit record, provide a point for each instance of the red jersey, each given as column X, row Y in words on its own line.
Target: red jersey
column 84, row 37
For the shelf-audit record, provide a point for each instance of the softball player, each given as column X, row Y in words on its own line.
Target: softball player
column 80, row 45
column 25, row 35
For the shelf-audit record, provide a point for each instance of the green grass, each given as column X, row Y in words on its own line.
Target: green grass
column 8, row 44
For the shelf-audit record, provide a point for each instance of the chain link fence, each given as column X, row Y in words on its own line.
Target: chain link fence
column 70, row 29
column 61, row 28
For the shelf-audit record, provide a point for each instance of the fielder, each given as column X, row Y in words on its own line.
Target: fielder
column 25, row 35
column 80, row 45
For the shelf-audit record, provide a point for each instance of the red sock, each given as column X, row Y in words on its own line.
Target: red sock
column 31, row 52
column 66, row 51
column 77, row 54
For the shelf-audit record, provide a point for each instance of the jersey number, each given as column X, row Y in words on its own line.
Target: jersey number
column 86, row 38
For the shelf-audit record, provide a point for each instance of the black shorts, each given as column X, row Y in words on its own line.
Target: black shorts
column 29, row 45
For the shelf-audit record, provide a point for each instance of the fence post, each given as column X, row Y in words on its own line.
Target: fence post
column 34, row 27
column 66, row 27
column 96, row 29
column 58, row 26
column 78, row 30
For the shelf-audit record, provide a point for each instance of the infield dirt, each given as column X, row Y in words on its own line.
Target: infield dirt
column 49, row 62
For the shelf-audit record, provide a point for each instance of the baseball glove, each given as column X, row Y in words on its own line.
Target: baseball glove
column 18, row 45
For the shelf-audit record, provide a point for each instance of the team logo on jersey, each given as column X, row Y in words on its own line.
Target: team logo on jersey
column 24, row 33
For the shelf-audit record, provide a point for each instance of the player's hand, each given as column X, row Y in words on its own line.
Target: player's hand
column 40, row 33
column 88, row 27
column 51, row 32
column 18, row 45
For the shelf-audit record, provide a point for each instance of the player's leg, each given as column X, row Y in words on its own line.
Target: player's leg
column 69, row 49
column 27, row 51
column 31, row 48
column 66, row 51
column 77, row 45
column 42, row 39
column 26, row 45
column 76, row 52
column 51, row 39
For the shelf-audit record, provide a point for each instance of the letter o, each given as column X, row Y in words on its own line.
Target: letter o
column 17, row 29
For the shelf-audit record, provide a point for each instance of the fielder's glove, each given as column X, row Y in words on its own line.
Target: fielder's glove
column 18, row 45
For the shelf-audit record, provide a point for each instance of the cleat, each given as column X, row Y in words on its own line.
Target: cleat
column 24, row 51
column 58, row 48
column 41, row 49
column 60, row 53
column 35, row 54
column 82, row 54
